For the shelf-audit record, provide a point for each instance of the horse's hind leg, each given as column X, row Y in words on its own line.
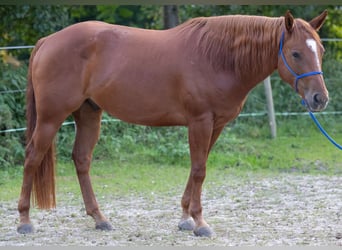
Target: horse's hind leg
column 88, row 123
column 36, row 150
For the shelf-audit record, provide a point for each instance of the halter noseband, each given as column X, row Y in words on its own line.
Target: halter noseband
column 289, row 68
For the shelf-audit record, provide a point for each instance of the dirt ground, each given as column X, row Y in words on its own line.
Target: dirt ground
column 269, row 211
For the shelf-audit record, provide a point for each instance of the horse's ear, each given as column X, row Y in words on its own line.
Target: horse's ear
column 289, row 21
column 318, row 21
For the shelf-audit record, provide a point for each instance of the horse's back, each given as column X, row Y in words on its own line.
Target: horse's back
column 98, row 46
column 129, row 72
column 141, row 76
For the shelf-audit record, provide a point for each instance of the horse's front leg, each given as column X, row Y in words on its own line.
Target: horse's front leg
column 200, row 134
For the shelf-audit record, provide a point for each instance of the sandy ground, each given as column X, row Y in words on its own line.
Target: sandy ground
column 286, row 210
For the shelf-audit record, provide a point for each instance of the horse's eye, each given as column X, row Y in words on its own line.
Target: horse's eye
column 296, row 55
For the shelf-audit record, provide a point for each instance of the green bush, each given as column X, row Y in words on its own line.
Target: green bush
column 12, row 113
column 120, row 140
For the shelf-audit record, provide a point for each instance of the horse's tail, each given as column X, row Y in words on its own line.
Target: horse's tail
column 43, row 190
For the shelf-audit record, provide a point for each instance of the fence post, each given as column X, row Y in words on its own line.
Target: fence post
column 270, row 107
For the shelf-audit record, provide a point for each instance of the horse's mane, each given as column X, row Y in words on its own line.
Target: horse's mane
column 235, row 43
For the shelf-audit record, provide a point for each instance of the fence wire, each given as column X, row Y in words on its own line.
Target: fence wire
column 256, row 114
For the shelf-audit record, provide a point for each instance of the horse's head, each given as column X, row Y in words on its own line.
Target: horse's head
column 300, row 60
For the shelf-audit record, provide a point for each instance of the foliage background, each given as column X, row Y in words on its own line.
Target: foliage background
column 25, row 24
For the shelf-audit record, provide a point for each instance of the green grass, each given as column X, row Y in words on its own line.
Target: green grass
column 281, row 155
column 154, row 164
column 140, row 170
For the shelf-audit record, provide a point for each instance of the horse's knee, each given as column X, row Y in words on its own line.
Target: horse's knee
column 198, row 173
column 82, row 163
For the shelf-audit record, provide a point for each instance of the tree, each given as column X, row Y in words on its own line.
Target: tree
column 171, row 18
column 25, row 24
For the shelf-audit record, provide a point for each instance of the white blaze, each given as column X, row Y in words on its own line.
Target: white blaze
column 313, row 47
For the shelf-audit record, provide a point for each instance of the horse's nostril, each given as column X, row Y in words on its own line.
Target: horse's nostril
column 317, row 98
column 320, row 100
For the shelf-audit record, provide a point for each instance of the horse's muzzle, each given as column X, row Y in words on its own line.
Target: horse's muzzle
column 317, row 102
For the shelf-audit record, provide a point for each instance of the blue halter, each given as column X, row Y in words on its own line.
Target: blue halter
column 289, row 68
column 296, row 88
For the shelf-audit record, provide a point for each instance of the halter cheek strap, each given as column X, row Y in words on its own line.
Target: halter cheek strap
column 297, row 77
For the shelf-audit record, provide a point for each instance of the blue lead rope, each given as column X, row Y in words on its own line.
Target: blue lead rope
column 297, row 77
column 319, row 126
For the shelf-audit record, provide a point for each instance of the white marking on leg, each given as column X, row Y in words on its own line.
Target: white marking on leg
column 313, row 47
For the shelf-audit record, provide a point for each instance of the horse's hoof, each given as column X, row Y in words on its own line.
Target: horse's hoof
column 25, row 229
column 104, row 226
column 187, row 224
column 204, row 232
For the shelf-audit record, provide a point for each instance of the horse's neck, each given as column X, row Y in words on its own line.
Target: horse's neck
column 247, row 46
column 260, row 62
column 256, row 53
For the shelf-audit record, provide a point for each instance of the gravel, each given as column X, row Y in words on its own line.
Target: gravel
column 265, row 211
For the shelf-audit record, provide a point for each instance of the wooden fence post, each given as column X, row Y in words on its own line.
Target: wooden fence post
column 270, row 107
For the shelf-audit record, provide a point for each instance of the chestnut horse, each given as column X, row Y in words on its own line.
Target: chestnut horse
column 197, row 74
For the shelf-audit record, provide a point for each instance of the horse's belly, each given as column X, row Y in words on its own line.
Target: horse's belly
column 143, row 117
column 145, row 110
